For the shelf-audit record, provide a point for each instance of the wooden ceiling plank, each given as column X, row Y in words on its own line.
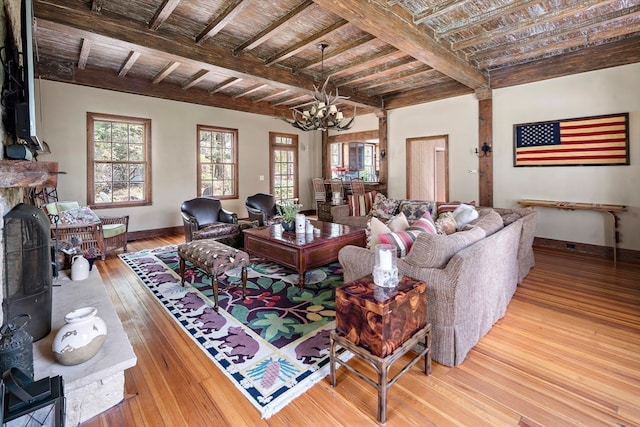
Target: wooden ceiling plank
column 96, row 6
column 332, row 52
column 272, row 29
column 225, row 84
column 498, row 36
column 561, row 46
column 84, row 53
column 164, row 73
column 408, row 85
column 388, row 53
column 70, row 17
column 249, row 91
column 436, row 11
column 402, row 33
column 484, row 17
column 426, row 71
column 300, row 46
column 270, row 96
column 290, row 100
column 195, row 79
column 128, row 63
column 162, row 14
column 378, row 72
column 219, row 22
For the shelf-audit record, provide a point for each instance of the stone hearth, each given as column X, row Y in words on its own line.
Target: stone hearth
column 97, row 384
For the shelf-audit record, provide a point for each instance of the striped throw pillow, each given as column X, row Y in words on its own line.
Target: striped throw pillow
column 361, row 205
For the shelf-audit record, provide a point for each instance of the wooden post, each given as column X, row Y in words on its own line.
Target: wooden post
column 485, row 134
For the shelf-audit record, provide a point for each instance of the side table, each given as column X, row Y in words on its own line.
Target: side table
column 380, row 325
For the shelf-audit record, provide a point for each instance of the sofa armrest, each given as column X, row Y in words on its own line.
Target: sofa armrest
column 190, row 225
column 356, row 262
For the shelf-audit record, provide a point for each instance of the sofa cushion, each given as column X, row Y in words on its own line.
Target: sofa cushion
column 446, row 223
column 489, row 220
column 464, row 214
column 361, row 205
column 415, row 209
column 435, row 250
column 383, row 207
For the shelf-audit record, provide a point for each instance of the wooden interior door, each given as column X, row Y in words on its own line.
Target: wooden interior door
column 427, row 168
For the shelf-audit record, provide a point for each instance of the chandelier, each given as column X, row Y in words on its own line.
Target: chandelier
column 323, row 113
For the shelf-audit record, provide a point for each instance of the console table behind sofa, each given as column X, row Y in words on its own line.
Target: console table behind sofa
column 607, row 208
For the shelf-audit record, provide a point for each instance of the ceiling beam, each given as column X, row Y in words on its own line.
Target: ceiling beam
column 105, row 79
column 71, row 16
column 128, row 63
column 314, row 39
column 397, row 29
column 272, row 29
column 84, row 53
column 162, row 14
column 220, row 21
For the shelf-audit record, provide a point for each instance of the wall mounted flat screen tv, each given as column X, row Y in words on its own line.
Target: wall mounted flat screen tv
column 25, row 109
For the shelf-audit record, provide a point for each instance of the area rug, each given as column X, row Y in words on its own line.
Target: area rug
column 273, row 344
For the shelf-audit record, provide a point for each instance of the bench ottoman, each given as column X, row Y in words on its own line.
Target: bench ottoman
column 213, row 258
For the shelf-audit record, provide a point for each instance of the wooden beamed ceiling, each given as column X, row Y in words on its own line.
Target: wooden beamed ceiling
column 262, row 56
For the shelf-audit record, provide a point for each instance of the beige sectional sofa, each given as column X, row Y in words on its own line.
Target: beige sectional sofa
column 471, row 275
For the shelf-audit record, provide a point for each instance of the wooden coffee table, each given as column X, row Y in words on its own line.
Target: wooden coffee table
column 302, row 252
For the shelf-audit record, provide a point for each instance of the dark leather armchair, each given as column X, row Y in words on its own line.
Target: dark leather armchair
column 262, row 208
column 205, row 218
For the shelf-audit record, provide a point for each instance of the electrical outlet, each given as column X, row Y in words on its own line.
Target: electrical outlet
column 473, row 170
column 261, row 177
column 571, row 246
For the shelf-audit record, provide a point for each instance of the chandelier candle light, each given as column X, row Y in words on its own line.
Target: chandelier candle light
column 323, row 113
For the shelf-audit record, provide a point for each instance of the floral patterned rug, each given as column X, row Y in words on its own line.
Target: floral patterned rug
column 273, row 344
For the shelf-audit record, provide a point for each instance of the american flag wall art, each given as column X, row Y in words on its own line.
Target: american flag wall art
column 598, row 140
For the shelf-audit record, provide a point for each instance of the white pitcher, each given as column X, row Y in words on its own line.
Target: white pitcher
column 79, row 268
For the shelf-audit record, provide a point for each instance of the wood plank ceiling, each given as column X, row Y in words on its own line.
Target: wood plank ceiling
column 262, row 56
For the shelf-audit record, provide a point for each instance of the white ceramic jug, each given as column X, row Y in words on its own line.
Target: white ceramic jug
column 79, row 268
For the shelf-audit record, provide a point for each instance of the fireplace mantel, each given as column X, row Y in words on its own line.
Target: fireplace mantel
column 20, row 173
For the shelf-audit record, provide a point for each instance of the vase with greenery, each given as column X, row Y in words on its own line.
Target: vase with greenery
column 288, row 211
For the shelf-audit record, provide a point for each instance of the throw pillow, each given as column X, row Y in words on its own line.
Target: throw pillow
column 443, row 207
column 361, row 205
column 464, row 214
column 446, row 223
column 415, row 209
column 398, row 223
column 375, row 227
column 82, row 215
column 383, row 207
column 423, row 225
column 402, row 240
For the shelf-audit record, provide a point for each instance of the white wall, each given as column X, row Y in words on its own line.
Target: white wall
column 455, row 117
column 62, row 111
column 614, row 90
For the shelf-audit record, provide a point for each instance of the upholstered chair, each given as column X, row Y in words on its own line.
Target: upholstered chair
column 262, row 208
column 205, row 218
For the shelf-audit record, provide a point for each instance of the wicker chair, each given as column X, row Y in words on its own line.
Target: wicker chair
column 101, row 235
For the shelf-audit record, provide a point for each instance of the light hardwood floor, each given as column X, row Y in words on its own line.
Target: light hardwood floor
column 566, row 353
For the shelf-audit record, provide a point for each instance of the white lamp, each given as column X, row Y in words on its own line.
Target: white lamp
column 385, row 271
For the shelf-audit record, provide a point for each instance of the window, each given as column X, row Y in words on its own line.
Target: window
column 218, row 162
column 119, row 160
column 284, row 165
column 354, row 160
